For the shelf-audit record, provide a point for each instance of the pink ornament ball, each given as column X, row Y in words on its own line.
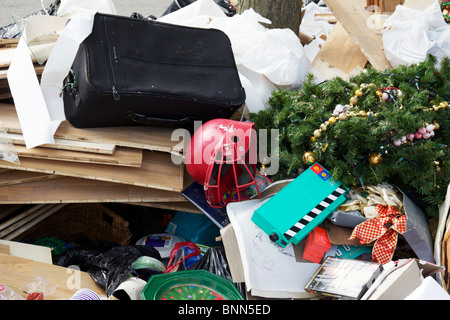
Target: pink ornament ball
column 397, row 143
column 426, row 135
column 422, row 130
column 418, row 135
column 430, row 127
column 385, row 96
column 410, row 136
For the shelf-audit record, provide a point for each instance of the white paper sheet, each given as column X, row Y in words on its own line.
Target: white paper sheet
column 39, row 106
column 270, row 270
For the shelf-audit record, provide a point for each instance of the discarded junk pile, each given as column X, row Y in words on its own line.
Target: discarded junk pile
column 322, row 177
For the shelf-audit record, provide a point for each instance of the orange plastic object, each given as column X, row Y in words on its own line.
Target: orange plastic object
column 317, row 244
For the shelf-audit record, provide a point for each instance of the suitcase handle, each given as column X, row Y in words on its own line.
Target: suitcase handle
column 162, row 122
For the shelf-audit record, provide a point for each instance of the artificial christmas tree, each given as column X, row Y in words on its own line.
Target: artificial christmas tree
column 390, row 126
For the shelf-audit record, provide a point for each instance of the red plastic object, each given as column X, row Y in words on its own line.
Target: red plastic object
column 317, row 244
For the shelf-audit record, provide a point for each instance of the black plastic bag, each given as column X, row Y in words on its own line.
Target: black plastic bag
column 107, row 268
column 215, row 261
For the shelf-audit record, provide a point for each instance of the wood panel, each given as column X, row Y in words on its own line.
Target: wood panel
column 157, row 171
column 17, row 273
column 353, row 17
column 340, row 51
column 122, row 156
column 76, row 190
column 142, row 137
column 64, row 144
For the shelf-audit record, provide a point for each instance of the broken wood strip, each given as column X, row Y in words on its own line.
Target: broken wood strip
column 141, row 137
column 19, row 216
column 353, row 17
column 340, row 51
column 12, row 177
column 157, row 171
column 31, row 221
column 122, row 156
column 78, row 190
column 63, row 144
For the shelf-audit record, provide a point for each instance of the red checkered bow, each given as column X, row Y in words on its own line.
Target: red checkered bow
column 376, row 229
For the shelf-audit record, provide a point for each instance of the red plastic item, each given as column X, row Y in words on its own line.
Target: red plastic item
column 317, row 244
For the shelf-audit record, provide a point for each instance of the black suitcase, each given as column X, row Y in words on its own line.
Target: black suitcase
column 130, row 71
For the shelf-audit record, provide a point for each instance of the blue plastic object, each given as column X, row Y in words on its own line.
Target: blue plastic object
column 292, row 213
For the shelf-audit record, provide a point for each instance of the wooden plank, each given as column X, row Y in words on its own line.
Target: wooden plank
column 340, row 51
column 20, row 215
column 122, row 156
column 29, row 222
column 29, row 251
column 18, row 272
column 157, row 171
column 64, row 144
column 4, row 248
column 353, row 17
column 12, row 177
column 141, row 137
column 77, row 190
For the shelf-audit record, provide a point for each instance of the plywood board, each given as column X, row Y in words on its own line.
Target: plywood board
column 340, row 51
column 77, row 190
column 157, row 171
column 64, row 144
column 141, row 137
column 18, row 272
column 12, row 177
column 122, row 156
column 353, row 17
column 29, row 251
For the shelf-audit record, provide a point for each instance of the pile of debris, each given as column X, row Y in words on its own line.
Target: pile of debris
column 294, row 234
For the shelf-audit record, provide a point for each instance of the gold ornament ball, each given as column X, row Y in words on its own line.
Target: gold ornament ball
column 362, row 113
column 379, row 93
column 375, row 159
column 308, row 157
column 317, row 133
column 343, row 116
column 443, row 104
column 354, row 100
column 313, row 139
column 332, row 120
column 358, row 93
column 436, row 125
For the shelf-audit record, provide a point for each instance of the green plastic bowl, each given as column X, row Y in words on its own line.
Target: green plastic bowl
column 189, row 285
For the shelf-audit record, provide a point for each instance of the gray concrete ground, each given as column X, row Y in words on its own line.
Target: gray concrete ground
column 23, row 8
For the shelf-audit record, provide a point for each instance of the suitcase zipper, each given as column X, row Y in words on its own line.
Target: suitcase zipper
column 112, row 77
